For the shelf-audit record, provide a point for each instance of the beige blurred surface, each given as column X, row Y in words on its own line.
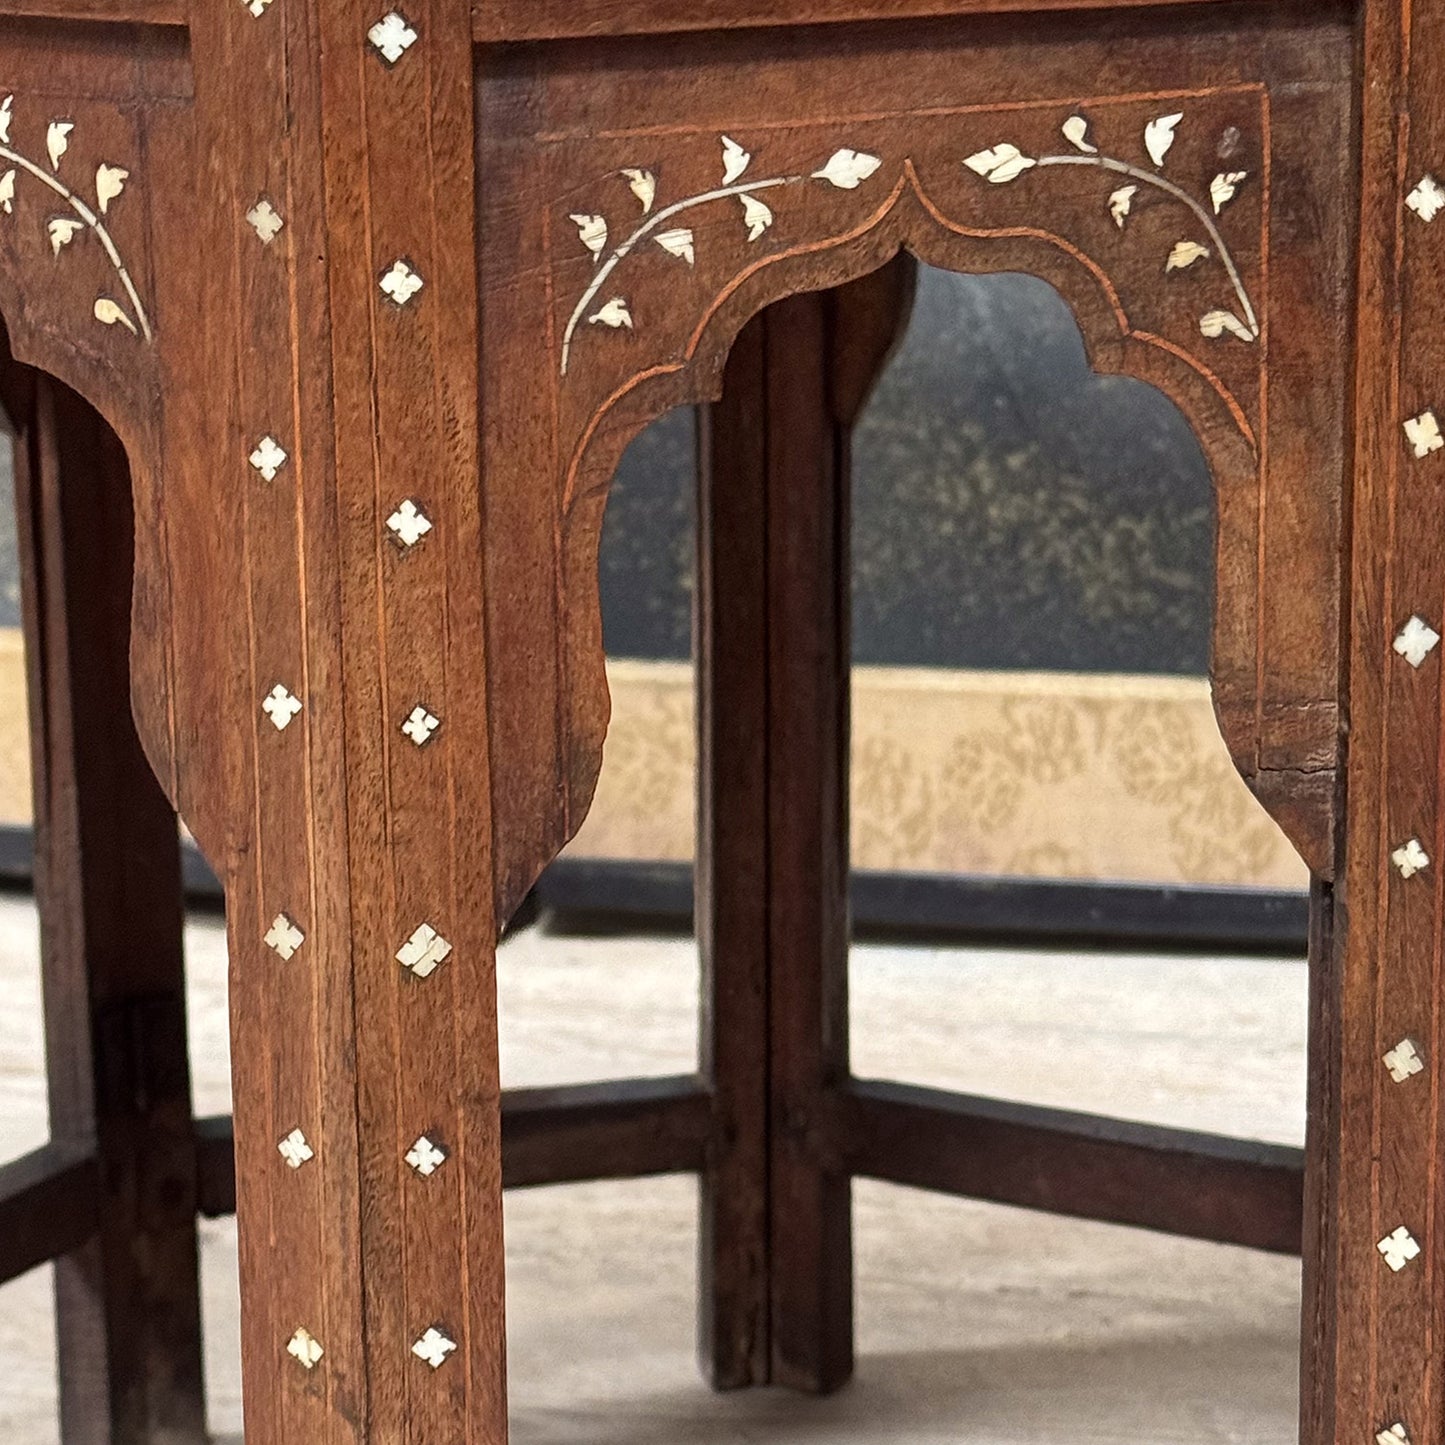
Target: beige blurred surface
column 1057, row 775
column 1032, row 774
column 977, row 1325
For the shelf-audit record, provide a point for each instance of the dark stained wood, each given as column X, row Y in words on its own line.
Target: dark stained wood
column 1174, row 1180
column 108, row 12
column 49, row 1206
column 616, row 1130
column 731, row 878
column 108, row 888
column 501, row 20
column 1319, row 1324
column 808, row 658
column 772, row 864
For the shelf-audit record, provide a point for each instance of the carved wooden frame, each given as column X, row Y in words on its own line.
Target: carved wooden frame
column 370, row 259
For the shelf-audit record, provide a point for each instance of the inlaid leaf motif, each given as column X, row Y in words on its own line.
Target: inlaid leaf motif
column 999, row 163
column 1185, row 253
column 735, row 160
column 61, row 230
column 643, row 185
column 1076, row 132
column 1159, row 136
column 592, row 231
column 677, row 243
column 110, row 314
column 847, row 168
column 1223, row 187
column 57, row 141
column 756, row 216
column 1120, row 204
column 109, row 183
column 613, row 314
column 1216, row 323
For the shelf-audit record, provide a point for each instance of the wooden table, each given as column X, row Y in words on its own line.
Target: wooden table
column 372, row 301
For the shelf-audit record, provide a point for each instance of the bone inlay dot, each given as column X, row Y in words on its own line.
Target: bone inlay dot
column 256, row 7
column 420, row 725
column 1404, row 1061
column 408, row 524
column 284, row 936
column 265, row 220
column 280, row 706
column 269, row 457
column 401, row 283
column 433, row 1347
column 423, row 951
column 295, row 1150
column 1423, row 433
column 1426, row 199
column 1395, row 1435
column 1416, row 641
column 1410, row 858
column 1398, row 1249
column 425, row 1157
column 303, row 1347
column 392, row 37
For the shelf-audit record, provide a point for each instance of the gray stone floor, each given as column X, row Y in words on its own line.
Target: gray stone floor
column 976, row 1324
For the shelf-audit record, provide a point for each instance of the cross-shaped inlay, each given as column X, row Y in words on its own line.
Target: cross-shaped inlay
column 284, row 936
column 425, row 1157
column 408, row 524
column 1404, row 1061
column 1395, row 1435
column 1426, row 199
column 423, row 951
column 295, row 1150
column 1416, row 640
column 269, row 457
column 1399, row 1248
column 400, row 282
column 392, row 36
column 302, row 1346
column 433, row 1347
column 1410, row 858
column 420, row 725
column 280, row 706
column 1423, row 433
column 265, row 220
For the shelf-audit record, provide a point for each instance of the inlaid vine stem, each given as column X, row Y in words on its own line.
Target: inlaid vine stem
column 93, row 222
column 645, row 230
column 1149, row 178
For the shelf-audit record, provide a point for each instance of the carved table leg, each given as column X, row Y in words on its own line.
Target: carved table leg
column 344, row 433
column 108, row 886
column 1375, row 1299
column 774, row 666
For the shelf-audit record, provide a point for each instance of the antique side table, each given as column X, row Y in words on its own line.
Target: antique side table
column 370, row 300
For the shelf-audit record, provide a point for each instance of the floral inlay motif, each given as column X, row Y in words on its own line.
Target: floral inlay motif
column 1004, row 162
column 79, row 217
column 845, row 168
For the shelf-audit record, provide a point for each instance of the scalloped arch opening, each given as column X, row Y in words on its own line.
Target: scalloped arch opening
column 1121, row 591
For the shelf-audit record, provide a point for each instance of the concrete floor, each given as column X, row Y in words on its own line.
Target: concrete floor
column 976, row 1323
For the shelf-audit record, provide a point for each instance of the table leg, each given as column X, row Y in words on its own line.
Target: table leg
column 774, row 669
column 108, row 888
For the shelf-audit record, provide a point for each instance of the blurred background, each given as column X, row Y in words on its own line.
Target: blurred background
column 1062, row 894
